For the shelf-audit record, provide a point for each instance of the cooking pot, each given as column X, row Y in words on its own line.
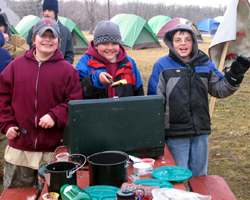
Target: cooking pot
column 108, row 168
column 62, row 172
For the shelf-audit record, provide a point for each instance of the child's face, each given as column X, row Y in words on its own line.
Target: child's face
column 108, row 50
column 46, row 44
column 183, row 44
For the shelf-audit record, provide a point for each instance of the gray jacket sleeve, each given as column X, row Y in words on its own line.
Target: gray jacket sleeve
column 220, row 88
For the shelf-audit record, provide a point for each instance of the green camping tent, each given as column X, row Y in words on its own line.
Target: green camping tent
column 25, row 25
column 135, row 31
column 157, row 22
column 79, row 41
column 13, row 30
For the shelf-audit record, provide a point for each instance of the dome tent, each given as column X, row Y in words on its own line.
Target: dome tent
column 208, row 26
column 80, row 43
column 173, row 22
column 136, row 32
column 157, row 22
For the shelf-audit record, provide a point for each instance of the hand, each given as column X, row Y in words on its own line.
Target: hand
column 240, row 65
column 6, row 37
column 46, row 122
column 103, row 78
column 12, row 133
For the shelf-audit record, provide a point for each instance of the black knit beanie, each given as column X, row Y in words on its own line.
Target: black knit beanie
column 50, row 5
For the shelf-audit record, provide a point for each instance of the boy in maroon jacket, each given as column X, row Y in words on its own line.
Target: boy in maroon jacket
column 34, row 93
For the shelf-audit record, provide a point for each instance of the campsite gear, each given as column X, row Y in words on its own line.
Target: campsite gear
column 73, row 192
column 62, row 172
column 150, row 161
column 62, row 156
column 108, row 168
column 102, row 192
column 173, row 22
column 136, row 32
column 120, row 82
column 21, row 130
column 154, row 182
column 157, row 22
column 79, row 41
column 118, row 124
column 50, row 196
column 172, row 173
column 141, row 168
column 128, row 194
column 208, row 26
column 147, row 190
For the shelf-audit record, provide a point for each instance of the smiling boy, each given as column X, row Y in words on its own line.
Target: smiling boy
column 107, row 58
column 184, row 78
column 35, row 90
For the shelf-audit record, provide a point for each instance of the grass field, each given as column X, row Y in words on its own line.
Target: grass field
column 229, row 151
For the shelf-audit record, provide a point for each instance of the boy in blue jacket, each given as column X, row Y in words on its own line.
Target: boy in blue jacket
column 184, row 78
column 106, row 59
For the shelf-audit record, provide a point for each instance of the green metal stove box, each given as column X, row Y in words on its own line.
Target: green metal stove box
column 134, row 125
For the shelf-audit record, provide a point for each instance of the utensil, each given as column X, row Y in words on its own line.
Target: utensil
column 120, row 82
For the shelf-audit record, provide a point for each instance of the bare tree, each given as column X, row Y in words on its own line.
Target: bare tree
column 90, row 11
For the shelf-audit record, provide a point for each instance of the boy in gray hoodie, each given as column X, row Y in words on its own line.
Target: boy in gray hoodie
column 184, row 78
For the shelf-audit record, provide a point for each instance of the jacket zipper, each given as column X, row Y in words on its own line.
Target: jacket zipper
column 39, row 65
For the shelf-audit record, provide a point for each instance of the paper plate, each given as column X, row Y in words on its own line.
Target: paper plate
column 172, row 173
column 155, row 182
column 102, row 192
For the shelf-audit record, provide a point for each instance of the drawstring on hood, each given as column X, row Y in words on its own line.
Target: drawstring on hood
column 168, row 37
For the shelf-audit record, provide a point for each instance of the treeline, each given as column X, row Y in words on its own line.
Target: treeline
column 87, row 13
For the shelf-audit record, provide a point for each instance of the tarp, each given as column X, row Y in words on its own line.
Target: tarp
column 136, row 32
column 173, row 22
column 157, row 22
column 234, row 30
column 79, row 41
column 208, row 26
column 13, row 30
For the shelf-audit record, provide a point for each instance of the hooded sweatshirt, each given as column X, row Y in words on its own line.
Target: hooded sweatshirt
column 30, row 89
column 5, row 57
column 92, row 64
column 111, row 67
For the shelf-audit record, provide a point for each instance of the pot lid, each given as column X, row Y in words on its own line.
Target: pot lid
column 126, row 193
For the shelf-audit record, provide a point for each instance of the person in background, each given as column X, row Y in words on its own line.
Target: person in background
column 184, row 78
column 15, row 44
column 50, row 10
column 106, row 59
column 5, row 59
column 34, row 93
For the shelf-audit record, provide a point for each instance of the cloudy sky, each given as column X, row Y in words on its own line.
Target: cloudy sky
column 214, row 3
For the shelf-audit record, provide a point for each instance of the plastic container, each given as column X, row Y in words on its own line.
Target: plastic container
column 150, row 161
column 73, row 192
column 141, row 168
column 50, row 196
column 62, row 156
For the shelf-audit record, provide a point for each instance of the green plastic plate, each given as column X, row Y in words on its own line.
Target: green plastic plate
column 155, row 182
column 102, row 192
column 172, row 173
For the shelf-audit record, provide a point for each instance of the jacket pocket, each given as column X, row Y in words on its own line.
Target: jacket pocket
column 27, row 133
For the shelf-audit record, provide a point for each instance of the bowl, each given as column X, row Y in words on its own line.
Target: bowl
column 50, row 196
column 150, row 161
column 141, row 168
column 62, row 157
